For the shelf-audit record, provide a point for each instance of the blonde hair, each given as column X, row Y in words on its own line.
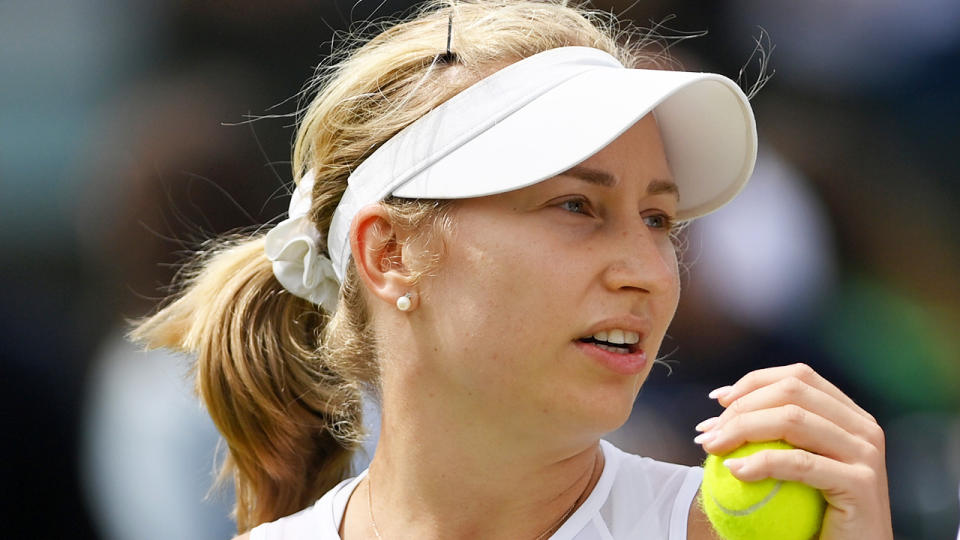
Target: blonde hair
column 281, row 379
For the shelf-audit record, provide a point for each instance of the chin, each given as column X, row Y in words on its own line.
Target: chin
column 604, row 408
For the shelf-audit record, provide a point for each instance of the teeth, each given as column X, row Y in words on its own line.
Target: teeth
column 619, row 350
column 617, row 336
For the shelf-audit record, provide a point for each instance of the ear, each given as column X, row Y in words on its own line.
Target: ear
column 376, row 245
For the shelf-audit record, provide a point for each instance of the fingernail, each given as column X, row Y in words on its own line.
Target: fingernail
column 718, row 393
column 734, row 464
column 706, row 424
column 704, row 437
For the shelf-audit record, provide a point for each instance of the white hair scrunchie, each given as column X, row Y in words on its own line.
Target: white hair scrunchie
column 294, row 248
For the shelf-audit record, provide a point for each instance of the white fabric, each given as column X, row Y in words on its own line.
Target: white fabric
column 636, row 498
column 294, row 248
column 544, row 114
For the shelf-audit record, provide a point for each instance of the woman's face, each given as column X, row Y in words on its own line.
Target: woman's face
column 532, row 279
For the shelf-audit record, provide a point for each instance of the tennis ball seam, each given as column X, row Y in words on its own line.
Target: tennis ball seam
column 752, row 508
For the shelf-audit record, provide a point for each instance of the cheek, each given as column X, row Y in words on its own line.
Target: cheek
column 673, row 263
column 670, row 298
column 514, row 289
column 500, row 291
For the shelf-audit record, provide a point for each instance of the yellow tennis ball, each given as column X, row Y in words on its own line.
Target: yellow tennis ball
column 768, row 509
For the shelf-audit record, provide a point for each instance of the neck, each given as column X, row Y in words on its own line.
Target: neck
column 435, row 475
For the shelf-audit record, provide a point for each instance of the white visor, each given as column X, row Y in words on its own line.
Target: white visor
column 538, row 117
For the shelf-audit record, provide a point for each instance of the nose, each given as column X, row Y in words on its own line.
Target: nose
column 641, row 259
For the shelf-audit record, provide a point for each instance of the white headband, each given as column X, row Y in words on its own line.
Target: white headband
column 544, row 114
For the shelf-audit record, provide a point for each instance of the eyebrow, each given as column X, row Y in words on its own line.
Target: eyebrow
column 656, row 187
column 595, row 176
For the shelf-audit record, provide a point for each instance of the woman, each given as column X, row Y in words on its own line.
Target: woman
column 496, row 194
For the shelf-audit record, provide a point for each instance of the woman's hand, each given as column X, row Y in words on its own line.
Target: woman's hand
column 839, row 446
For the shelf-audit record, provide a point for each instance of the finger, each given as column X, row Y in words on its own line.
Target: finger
column 831, row 477
column 792, row 390
column 763, row 377
column 791, row 423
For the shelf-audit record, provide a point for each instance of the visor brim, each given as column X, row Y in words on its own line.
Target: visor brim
column 705, row 120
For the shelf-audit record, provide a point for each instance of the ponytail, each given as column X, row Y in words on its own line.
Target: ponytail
column 290, row 421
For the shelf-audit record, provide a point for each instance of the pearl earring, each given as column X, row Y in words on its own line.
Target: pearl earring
column 404, row 303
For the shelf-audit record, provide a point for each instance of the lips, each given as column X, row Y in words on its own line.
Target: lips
column 616, row 344
column 621, row 362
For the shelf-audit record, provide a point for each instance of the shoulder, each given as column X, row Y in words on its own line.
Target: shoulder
column 319, row 521
column 664, row 493
column 297, row 526
column 661, row 485
column 656, row 477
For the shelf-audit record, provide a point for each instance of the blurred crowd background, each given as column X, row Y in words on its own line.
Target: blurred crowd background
column 125, row 141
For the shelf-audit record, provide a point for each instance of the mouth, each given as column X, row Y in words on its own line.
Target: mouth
column 611, row 347
column 616, row 349
column 615, row 341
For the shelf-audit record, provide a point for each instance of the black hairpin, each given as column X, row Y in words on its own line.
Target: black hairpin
column 448, row 57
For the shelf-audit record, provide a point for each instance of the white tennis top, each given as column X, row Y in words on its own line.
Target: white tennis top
column 635, row 498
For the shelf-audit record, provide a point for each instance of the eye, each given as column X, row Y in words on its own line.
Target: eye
column 659, row 221
column 577, row 205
